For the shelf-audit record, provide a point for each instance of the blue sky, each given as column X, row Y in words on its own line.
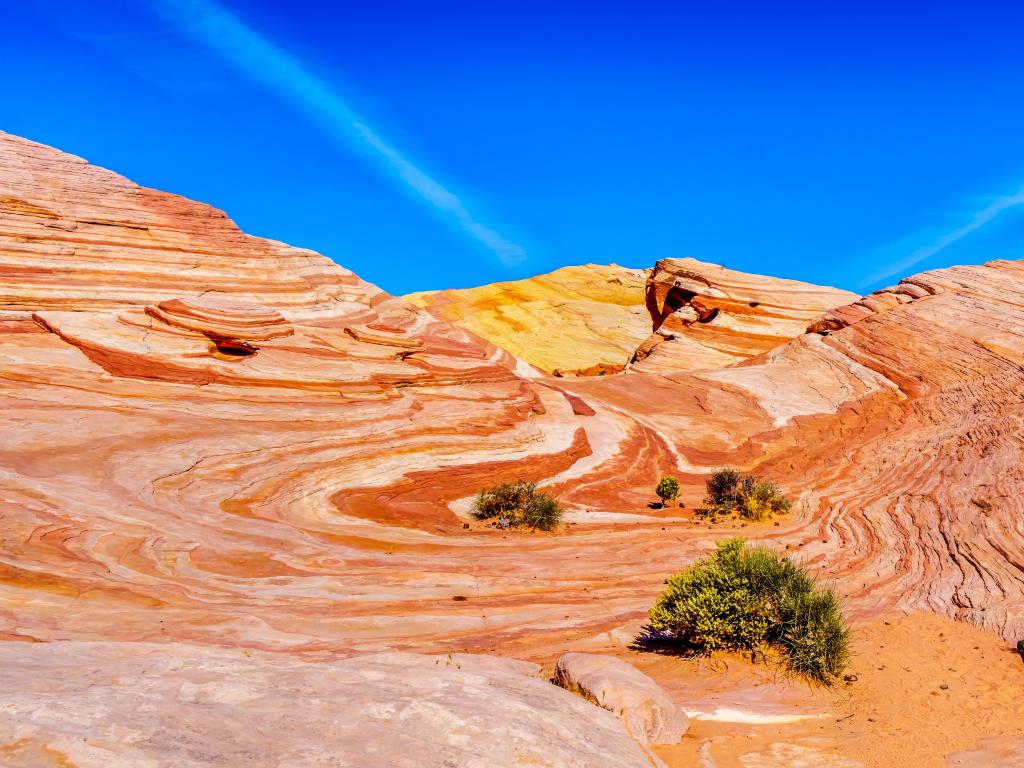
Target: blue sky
column 449, row 144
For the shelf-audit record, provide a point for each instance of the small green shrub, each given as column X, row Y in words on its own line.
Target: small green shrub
column 742, row 598
column 668, row 488
column 518, row 505
column 750, row 497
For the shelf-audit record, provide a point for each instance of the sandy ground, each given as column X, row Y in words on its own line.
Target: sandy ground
column 929, row 692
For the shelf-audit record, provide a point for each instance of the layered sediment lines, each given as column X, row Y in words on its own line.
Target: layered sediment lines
column 584, row 320
column 271, row 453
column 706, row 316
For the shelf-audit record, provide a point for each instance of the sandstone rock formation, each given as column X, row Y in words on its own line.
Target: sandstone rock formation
column 648, row 712
column 576, row 320
column 222, row 441
column 190, row 707
column 706, row 316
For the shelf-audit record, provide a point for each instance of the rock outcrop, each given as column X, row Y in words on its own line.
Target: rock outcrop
column 578, row 321
column 222, row 441
column 706, row 316
column 649, row 713
column 192, row 707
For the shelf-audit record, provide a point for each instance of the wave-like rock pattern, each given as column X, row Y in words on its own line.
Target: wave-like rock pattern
column 178, row 468
column 706, row 316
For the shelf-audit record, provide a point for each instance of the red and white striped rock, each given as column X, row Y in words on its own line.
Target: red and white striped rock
column 706, row 316
column 305, row 497
column 219, row 318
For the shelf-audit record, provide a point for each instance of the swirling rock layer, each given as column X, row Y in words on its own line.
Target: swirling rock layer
column 174, row 467
column 706, row 316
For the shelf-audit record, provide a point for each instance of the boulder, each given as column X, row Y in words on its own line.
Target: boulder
column 650, row 715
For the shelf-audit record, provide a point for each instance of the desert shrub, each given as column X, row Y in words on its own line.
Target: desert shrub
column 760, row 499
column 722, row 485
column 542, row 511
column 518, row 505
column 812, row 635
column 668, row 488
column 752, row 498
column 743, row 598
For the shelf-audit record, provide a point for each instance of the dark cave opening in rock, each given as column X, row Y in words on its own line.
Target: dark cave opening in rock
column 234, row 349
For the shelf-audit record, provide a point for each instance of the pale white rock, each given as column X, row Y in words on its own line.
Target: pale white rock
column 649, row 713
column 112, row 705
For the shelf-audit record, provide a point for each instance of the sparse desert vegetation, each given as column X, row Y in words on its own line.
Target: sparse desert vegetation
column 668, row 489
column 518, row 505
column 746, row 598
column 283, row 522
column 752, row 498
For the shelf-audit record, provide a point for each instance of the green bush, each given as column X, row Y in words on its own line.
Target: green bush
column 750, row 497
column 760, row 499
column 668, row 488
column 743, row 598
column 518, row 505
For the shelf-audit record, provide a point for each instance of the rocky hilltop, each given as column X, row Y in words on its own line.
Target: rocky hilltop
column 219, row 447
column 706, row 316
column 574, row 321
column 596, row 320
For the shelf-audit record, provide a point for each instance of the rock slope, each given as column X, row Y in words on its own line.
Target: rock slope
column 218, row 440
column 189, row 707
column 576, row 320
column 264, row 451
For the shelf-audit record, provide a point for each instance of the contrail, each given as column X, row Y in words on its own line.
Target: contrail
column 979, row 220
column 219, row 29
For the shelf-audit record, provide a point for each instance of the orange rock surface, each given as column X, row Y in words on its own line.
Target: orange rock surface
column 706, row 316
column 583, row 320
column 213, row 439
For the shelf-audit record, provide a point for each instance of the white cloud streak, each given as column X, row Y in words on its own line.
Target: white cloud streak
column 217, row 28
column 980, row 218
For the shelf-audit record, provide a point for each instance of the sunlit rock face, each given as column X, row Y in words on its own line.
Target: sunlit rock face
column 898, row 425
column 213, row 439
column 212, row 436
column 576, row 321
column 706, row 316
column 193, row 707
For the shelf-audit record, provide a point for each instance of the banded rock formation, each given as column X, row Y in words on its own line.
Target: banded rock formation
column 706, row 316
column 219, row 440
column 583, row 320
column 247, row 497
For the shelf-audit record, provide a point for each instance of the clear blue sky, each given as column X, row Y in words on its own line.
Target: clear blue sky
column 446, row 144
